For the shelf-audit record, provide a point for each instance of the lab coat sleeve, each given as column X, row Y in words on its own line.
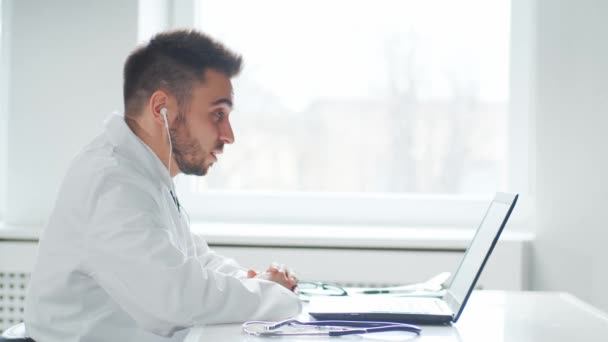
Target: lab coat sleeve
column 214, row 261
column 130, row 256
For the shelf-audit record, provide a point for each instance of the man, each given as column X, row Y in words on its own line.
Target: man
column 117, row 261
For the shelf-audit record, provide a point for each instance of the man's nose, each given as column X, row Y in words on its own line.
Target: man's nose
column 226, row 133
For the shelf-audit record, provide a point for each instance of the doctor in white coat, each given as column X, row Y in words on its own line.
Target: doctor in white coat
column 117, row 260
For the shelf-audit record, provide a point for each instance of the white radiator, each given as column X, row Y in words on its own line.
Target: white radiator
column 16, row 262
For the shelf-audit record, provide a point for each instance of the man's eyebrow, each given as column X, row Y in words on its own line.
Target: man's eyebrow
column 225, row 101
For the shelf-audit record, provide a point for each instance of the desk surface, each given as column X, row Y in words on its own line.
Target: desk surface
column 490, row 316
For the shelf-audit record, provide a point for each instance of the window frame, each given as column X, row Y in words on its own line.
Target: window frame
column 400, row 210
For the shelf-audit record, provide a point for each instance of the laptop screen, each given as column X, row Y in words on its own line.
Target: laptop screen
column 478, row 252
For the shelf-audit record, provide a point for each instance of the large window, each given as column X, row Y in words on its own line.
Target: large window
column 344, row 106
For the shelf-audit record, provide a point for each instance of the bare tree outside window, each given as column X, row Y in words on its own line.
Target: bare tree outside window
column 384, row 96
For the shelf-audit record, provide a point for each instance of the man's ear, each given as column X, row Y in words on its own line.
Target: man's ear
column 159, row 100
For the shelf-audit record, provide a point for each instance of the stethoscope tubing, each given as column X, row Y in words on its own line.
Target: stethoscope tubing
column 361, row 327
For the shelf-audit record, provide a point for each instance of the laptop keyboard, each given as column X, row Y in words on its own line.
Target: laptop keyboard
column 371, row 303
column 411, row 305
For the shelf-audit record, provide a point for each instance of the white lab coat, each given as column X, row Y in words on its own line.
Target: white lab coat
column 117, row 262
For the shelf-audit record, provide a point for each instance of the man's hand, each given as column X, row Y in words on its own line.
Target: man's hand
column 277, row 273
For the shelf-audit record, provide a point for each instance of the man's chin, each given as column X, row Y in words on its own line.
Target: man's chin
column 201, row 172
column 196, row 171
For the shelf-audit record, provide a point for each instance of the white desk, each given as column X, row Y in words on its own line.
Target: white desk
column 490, row 316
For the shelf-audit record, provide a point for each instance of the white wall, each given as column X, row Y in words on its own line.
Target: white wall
column 66, row 66
column 4, row 69
column 572, row 148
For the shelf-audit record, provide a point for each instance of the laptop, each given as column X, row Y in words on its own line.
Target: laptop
column 426, row 310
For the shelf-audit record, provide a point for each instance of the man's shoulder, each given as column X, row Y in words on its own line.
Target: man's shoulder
column 100, row 165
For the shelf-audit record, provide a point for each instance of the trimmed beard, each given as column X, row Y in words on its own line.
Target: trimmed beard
column 185, row 149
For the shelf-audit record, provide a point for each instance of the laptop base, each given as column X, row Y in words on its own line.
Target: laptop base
column 385, row 317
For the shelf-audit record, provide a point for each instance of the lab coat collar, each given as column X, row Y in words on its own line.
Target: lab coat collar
column 130, row 145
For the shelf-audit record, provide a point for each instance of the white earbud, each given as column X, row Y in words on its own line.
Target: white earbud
column 163, row 112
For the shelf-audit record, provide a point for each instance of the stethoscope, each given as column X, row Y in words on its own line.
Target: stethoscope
column 323, row 328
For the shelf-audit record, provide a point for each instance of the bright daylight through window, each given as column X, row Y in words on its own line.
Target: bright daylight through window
column 383, row 96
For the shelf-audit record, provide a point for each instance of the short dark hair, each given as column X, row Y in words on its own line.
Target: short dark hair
column 173, row 61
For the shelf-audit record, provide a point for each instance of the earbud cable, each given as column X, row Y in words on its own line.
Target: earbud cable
column 170, row 145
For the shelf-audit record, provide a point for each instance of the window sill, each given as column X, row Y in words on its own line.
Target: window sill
column 19, row 232
column 319, row 236
column 332, row 236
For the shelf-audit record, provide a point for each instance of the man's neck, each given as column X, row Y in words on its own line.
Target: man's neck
column 155, row 142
